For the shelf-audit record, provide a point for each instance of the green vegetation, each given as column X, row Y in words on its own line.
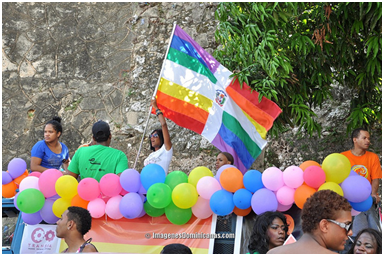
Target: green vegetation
column 292, row 53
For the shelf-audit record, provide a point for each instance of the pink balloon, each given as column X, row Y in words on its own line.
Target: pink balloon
column 283, row 208
column 96, row 208
column 112, row 208
column 29, row 182
column 285, row 195
column 314, row 176
column 354, row 212
column 206, row 186
column 47, row 181
column 201, row 209
column 104, row 197
column 36, row 174
column 272, row 178
column 293, row 176
column 123, row 192
column 88, row 189
column 110, row 185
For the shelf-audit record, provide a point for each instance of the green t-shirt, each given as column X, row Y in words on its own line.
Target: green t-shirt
column 97, row 160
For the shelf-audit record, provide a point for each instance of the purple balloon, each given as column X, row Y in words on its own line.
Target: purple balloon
column 31, row 218
column 142, row 213
column 15, row 201
column 6, row 178
column 142, row 190
column 16, row 167
column 46, row 212
column 130, row 180
column 264, row 200
column 353, row 173
column 221, row 169
column 131, row 205
column 356, row 188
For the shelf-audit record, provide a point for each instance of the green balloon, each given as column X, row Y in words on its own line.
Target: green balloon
column 30, row 200
column 159, row 195
column 175, row 178
column 152, row 211
column 176, row 215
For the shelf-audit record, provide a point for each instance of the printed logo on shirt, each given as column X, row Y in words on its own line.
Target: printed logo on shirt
column 361, row 170
column 93, row 161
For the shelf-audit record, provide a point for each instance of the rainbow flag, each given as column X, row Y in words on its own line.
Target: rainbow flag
column 197, row 93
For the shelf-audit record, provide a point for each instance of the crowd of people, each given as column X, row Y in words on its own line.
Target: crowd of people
column 327, row 223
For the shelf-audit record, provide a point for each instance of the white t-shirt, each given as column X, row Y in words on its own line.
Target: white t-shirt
column 161, row 157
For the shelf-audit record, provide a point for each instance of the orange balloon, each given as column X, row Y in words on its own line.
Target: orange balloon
column 290, row 222
column 301, row 195
column 241, row 212
column 308, row 163
column 21, row 177
column 231, row 179
column 80, row 202
column 9, row 190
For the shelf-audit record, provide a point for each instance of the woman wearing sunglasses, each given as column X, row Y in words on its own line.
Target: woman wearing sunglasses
column 368, row 241
column 269, row 231
column 160, row 143
column 326, row 223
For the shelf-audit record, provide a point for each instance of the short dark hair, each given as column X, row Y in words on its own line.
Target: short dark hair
column 81, row 217
column 375, row 235
column 259, row 241
column 176, row 249
column 323, row 204
column 56, row 124
column 229, row 157
column 356, row 133
column 161, row 137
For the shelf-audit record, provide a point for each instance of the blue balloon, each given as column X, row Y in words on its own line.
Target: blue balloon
column 221, row 202
column 363, row 206
column 131, row 205
column 252, row 180
column 151, row 174
column 242, row 199
column 264, row 200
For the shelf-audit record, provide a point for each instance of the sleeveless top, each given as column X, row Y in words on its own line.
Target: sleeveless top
column 81, row 248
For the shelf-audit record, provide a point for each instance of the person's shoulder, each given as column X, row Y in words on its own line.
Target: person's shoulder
column 371, row 154
column 40, row 145
column 89, row 248
column 346, row 153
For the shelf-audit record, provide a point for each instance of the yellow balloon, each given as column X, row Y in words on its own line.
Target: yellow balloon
column 184, row 195
column 198, row 173
column 66, row 186
column 332, row 186
column 336, row 167
column 60, row 206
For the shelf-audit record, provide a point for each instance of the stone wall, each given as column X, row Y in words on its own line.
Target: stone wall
column 90, row 61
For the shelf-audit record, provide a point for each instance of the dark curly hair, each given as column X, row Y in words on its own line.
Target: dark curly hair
column 375, row 235
column 323, row 204
column 81, row 217
column 259, row 241
column 56, row 124
column 161, row 137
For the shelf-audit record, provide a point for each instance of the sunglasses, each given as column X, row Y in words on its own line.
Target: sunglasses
column 155, row 135
column 347, row 227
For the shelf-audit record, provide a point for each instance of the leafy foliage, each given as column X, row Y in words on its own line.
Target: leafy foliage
column 292, row 53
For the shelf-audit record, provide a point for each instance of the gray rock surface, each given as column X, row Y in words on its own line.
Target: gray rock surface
column 90, row 61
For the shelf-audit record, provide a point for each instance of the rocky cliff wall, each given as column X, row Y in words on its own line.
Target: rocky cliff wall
column 90, row 61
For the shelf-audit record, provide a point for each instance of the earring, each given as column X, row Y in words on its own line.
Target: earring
column 69, row 228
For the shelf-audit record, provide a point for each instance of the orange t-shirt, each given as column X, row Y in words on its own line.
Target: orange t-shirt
column 367, row 165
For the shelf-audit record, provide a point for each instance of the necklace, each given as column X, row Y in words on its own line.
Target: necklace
column 355, row 154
